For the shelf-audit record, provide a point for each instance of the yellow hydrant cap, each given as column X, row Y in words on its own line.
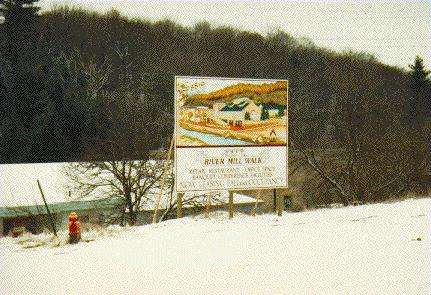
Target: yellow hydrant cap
column 73, row 215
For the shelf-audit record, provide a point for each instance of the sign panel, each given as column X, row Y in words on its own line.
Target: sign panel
column 230, row 134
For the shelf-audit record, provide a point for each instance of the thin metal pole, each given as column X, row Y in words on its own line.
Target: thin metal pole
column 51, row 220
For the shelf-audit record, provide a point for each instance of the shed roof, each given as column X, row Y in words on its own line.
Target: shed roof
column 18, row 211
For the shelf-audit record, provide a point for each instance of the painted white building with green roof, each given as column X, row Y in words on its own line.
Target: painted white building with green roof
column 235, row 112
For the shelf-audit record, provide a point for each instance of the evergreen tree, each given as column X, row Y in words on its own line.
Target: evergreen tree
column 420, row 102
column 19, row 27
column 19, row 104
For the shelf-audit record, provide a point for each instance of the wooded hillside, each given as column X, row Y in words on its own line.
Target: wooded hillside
column 78, row 85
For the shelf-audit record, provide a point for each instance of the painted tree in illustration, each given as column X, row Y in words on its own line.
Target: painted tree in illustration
column 265, row 115
column 280, row 112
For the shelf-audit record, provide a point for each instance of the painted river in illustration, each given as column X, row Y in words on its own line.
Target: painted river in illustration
column 212, row 139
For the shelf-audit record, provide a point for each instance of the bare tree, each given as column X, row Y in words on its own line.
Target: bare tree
column 371, row 157
column 130, row 183
column 133, row 185
column 126, row 131
column 125, row 123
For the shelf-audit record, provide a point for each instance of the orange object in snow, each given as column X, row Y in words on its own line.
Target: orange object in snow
column 74, row 228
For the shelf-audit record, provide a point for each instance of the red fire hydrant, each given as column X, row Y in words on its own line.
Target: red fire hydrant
column 74, row 228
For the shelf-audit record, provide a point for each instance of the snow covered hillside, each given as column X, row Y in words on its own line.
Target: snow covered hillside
column 371, row 249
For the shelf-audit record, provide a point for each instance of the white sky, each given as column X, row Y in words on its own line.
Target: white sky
column 18, row 184
column 394, row 31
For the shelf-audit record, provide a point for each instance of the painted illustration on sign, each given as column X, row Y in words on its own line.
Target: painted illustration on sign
column 231, row 134
column 231, row 112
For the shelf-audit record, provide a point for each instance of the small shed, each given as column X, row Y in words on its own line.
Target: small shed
column 34, row 218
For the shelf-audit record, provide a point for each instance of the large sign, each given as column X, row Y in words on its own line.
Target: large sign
column 230, row 134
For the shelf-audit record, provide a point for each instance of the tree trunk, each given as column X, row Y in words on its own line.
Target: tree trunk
column 131, row 214
column 132, row 217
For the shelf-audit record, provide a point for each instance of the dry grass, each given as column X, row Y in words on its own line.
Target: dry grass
column 89, row 233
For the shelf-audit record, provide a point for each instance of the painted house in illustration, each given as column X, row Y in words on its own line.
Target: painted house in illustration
column 273, row 110
column 200, row 114
column 218, row 106
column 187, row 113
column 238, row 111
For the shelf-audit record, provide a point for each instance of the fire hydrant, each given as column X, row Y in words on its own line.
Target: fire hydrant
column 74, row 228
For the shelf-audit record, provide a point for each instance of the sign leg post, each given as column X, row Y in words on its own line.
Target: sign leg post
column 180, row 205
column 279, row 202
column 208, row 209
column 230, row 204
column 259, row 196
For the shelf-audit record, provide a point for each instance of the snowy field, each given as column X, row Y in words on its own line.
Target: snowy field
column 371, row 249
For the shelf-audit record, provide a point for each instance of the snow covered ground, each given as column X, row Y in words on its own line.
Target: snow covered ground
column 370, row 249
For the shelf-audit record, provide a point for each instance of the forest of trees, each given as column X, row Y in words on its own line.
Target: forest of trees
column 77, row 85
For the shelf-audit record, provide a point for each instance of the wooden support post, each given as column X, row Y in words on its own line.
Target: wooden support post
column 180, row 205
column 208, row 209
column 280, row 205
column 230, row 204
column 165, row 173
column 259, row 196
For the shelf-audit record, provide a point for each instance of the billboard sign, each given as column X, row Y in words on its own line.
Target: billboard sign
column 230, row 134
